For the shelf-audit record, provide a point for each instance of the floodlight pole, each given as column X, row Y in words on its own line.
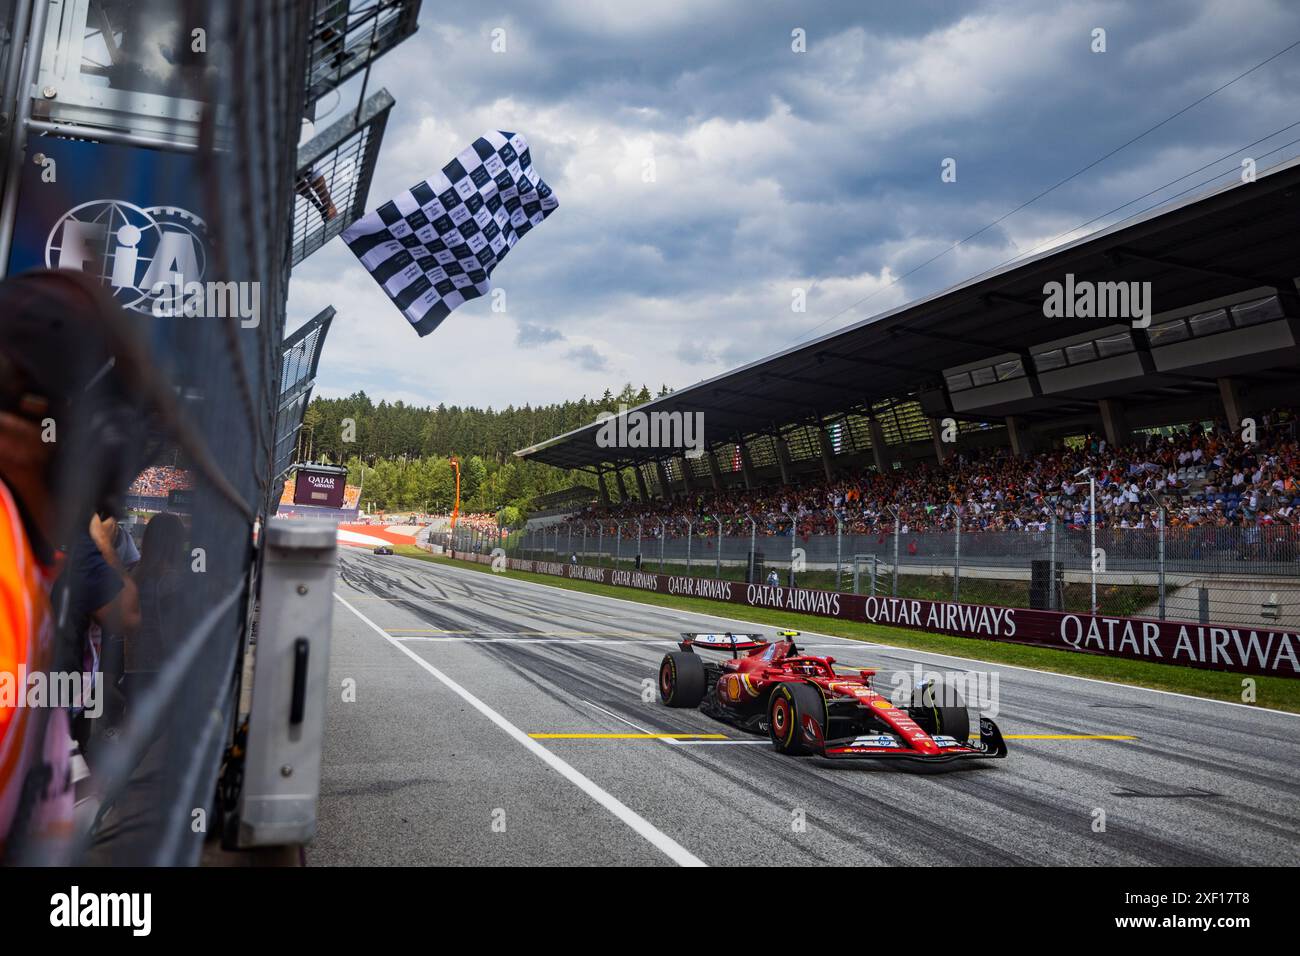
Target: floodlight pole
column 455, row 508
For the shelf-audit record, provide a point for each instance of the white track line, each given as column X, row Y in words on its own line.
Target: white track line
column 624, row 720
column 532, row 640
column 889, row 647
column 721, row 743
column 643, row 827
column 671, row 741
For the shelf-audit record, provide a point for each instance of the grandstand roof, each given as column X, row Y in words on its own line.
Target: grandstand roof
column 1231, row 241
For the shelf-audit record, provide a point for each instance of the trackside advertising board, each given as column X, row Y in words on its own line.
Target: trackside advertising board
column 1225, row 647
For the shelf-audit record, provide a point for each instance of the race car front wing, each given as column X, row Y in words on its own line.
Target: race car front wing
column 888, row 746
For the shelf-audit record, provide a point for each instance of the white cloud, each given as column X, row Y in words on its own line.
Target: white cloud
column 771, row 171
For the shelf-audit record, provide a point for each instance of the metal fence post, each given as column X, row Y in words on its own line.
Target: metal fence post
column 570, row 547
column 753, row 547
column 956, row 562
column 1160, row 557
column 600, row 544
column 584, row 543
column 638, row 545
column 898, row 536
column 618, row 542
column 717, row 570
column 1092, row 537
column 1054, row 599
column 690, row 527
column 839, row 552
column 663, row 534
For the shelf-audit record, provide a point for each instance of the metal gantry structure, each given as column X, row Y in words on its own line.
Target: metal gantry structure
column 179, row 123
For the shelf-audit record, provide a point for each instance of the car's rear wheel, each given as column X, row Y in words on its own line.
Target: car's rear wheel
column 681, row 679
column 788, row 709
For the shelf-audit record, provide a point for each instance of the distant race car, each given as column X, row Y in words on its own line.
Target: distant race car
column 383, row 549
column 806, row 707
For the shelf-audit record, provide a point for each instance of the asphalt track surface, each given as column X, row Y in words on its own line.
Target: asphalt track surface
column 455, row 670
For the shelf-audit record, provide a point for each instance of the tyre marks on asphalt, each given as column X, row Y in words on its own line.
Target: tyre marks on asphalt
column 1034, row 808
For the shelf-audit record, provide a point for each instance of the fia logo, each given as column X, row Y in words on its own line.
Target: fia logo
column 137, row 252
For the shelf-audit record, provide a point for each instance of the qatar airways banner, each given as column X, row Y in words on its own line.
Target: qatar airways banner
column 1222, row 647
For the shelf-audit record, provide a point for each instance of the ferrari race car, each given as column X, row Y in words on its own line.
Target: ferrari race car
column 806, row 707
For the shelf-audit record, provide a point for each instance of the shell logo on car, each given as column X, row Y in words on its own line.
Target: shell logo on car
column 733, row 685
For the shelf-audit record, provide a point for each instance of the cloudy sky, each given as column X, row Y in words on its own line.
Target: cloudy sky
column 705, row 170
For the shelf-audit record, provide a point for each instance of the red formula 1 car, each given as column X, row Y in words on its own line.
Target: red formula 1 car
column 806, row 707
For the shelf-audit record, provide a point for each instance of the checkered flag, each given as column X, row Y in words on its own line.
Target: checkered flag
column 435, row 245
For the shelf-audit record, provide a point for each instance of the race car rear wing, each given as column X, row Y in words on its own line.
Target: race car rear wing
column 723, row 642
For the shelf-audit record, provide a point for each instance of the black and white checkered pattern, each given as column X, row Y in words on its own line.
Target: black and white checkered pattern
column 434, row 246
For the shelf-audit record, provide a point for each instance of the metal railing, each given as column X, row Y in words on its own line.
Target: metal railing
column 1206, row 574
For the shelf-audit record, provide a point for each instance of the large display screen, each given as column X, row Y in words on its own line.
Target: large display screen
column 323, row 488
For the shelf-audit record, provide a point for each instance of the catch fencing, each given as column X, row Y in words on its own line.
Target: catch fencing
column 1246, row 575
column 1274, row 652
column 163, row 698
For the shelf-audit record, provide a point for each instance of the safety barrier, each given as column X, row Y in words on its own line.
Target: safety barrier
column 1207, row 646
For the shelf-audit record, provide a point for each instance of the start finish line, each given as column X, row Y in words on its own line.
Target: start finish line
column 1221, row 647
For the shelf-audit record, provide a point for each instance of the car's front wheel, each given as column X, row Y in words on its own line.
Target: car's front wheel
column 796, row 719
column 951, row 721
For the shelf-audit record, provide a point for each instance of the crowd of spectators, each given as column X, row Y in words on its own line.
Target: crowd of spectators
column 1203, row 476
column 486, row 522
column 157, row 481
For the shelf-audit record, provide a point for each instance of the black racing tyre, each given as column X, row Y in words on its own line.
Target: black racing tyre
column 951, row 721
column 681, row 679
column 787, row 707
column 954, row 722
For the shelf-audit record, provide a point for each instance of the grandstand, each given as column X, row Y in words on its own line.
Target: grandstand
column 1185, row 421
